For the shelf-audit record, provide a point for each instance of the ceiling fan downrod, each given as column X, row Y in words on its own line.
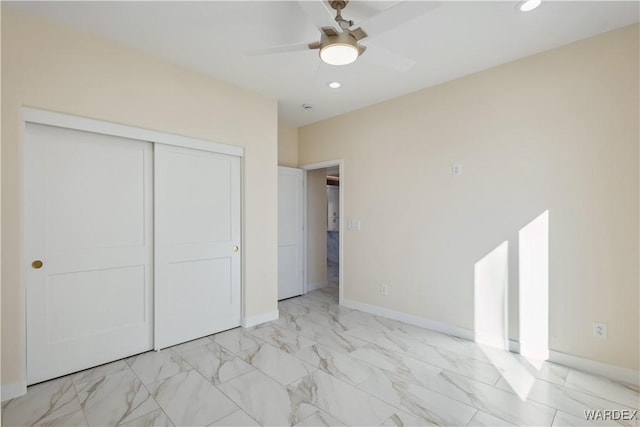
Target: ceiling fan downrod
column 338, row 5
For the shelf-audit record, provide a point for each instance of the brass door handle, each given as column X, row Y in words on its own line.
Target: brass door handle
column 235, row 248
column 37, row 264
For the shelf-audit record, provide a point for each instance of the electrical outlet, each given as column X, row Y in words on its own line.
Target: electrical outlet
column 384, row 290
column 456, row 169
column 600, row 330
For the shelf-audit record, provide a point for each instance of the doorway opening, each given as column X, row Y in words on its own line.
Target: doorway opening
column 324, row 195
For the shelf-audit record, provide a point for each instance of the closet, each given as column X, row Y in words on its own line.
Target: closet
column 129, row 245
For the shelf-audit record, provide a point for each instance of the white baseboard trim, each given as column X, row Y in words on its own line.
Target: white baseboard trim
column 317, row 285
column 410, row 319
column 251, row 321
column 9, row 391
column 614, row 372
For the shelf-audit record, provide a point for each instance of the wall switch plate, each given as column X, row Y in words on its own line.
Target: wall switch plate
column 456, row 169
column 384, row 290
column 600, row 330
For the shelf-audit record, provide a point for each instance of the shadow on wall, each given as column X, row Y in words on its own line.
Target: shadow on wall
column 491, row 303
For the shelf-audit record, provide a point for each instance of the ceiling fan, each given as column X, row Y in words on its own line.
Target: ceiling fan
column 339, row 42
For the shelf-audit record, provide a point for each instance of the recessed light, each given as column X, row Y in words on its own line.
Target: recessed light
column 529, row 5
column 334, row 85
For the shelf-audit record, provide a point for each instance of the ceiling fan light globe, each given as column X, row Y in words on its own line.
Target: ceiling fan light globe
column 339, row 54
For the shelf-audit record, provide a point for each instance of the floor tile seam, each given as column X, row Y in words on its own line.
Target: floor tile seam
column 242, row 349
column 339, row 380
column 234, row 401
column 447, row 414
column 326, row 349
column 84, row 416
column 472, row 418
column 147, row 413
column 377, row 345
column 360, row 387
column 536, row 378
column 592, row 396
column 278, row 347
column 126, row 366
column 435, row 390
column 229, row 379
column 584, row 391
column 552, row 384
column 319, row 368
column 304, row 303
column 157, row 381
column 632, row 387
column 511, row 392
column 285, row 352
column 153, row 397
column 238, row 410
column 192, row 368
column 467, row 359
column 206, row 380
column 553, row 420
column 459, row 373
column 323, row 411
column 556, row 408
column 179, row 352
column 327, row 411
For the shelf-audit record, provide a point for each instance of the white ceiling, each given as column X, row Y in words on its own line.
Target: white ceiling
column 450, row 40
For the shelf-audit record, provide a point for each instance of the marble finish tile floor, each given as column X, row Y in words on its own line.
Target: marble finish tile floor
column 323, row 364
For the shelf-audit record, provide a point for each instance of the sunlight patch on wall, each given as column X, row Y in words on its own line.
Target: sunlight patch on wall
column 491, row 280
column 533, row 242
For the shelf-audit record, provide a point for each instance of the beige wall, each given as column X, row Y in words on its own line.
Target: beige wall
column 557, row 131
column 57, row 69
column 317, row 227
column 287, row 146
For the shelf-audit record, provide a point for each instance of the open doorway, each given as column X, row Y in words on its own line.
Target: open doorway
column 324, row 226
column 333, row 226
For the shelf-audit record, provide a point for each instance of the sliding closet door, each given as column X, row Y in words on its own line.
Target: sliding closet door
column 88, row 249
column 197, row 239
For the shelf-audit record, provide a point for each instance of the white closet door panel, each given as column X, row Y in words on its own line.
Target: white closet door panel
column 197, row 208
column 290, row 232
column 88, row 201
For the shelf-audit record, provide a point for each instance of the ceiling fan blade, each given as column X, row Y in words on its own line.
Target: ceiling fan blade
column 329, row 31
column 319, row 13
column 387, row 59
column 359, row 33
column 298, row 47
column 396, row 16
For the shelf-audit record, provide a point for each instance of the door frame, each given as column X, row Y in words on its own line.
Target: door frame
column 68, row 121
column 321, row 165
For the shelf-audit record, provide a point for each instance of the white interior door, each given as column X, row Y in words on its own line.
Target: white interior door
column 290, row 232
column 88, row 219
column 197, row 232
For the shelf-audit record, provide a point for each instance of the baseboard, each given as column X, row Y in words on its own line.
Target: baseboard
column 614, row 372
column 251, row 321
column 9, row 391
column 410, row 319
column 317, row 285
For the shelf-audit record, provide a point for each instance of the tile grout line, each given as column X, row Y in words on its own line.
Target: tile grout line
column 84, row 416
